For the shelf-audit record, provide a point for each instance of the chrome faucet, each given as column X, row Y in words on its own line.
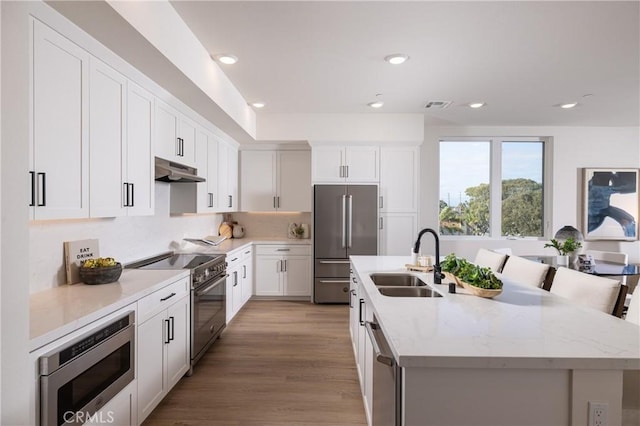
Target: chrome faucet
column 437, row 274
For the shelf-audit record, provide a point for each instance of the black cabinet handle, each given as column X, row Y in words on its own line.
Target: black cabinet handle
column 33, row 189
column 360, row 320
column 167, row 338
column 43, row 184
column 172, row 328
column 126, row 194
column 177, row 147
column 168, row 297
column 133, row 202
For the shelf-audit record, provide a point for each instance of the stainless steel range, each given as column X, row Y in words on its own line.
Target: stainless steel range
column 208, row 295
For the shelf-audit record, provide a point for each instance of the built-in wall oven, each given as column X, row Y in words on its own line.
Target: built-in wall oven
column 208, row 294
column 79, row 378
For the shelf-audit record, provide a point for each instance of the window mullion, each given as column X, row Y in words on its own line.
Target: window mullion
column 495, row 193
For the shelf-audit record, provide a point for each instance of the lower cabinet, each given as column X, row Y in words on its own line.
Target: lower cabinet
column 240, row 280
column 163, row 344
column 120, row 410
column 283, row 270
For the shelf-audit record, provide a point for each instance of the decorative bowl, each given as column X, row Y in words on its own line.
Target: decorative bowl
column 100, row 275
column 477, row 291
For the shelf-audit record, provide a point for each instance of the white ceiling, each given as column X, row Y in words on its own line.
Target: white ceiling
column 521, row 58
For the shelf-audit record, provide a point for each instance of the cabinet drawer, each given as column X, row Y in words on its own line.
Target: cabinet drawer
column 161, row 299
column 233, row 259
column 247, row 252
column 283, row 250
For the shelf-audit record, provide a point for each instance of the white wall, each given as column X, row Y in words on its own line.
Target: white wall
column 345, row 128
column 573, row 148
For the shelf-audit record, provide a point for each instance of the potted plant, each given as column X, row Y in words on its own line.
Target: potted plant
column 564, row 248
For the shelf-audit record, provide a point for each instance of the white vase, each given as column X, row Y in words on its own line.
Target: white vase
column 562, row 260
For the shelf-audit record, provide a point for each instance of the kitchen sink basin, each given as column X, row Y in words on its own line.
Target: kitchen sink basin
column 408, row 292
column 396, row 280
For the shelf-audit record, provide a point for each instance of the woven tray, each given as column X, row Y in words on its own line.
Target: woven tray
column 477, row 291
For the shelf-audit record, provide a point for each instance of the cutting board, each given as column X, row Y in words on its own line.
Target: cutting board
column 226, row 230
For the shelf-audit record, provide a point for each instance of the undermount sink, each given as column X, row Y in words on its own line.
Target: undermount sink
column 408, row 292
column 396, row 280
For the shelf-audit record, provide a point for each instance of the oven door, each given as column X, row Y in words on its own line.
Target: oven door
column 208, row 312
column 80, row 387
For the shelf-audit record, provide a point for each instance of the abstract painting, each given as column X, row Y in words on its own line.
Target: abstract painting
column 610, row 204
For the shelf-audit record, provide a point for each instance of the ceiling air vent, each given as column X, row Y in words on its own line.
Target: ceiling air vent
column 437, row 104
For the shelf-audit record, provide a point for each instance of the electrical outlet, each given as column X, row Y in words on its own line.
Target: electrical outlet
column 598, row 413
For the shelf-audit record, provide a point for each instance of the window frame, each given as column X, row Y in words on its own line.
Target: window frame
column 495, row 185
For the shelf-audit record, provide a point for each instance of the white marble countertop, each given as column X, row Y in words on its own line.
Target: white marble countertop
column 61, row 310
column 524, row 327
column 233, row 244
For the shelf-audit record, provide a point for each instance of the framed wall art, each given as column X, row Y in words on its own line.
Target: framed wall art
column 610, row 204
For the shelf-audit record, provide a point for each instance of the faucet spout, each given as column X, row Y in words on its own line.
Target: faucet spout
column 437, row 274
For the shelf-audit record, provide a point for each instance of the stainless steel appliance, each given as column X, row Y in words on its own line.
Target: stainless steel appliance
column 345, row 223
column 208, row 295
column 79, row 378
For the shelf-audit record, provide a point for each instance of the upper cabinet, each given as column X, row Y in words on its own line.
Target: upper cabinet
column 352, row 164
column 399, row 179
column 59, row 152
column 275, row 181
column 227, row 177
column 120, row 129
column 175, row 135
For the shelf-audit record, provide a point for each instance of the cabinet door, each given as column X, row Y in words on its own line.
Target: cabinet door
column 107, row 143
column 178, row 355
column 236, row 290
column 223, row 201
column 212, row 173
column 258, row 181
column 150, row 364
column 353, row 314
column 327, row 162
column 398, row 231
column 187, row 134
column 203, row 199
column 269, row 276
column 247, row 279
column 120, row 410
column 297, row 276
column 362, row 163
column 166, row 135
column 233, row 178
column 60, row 152
column 399, row 179
column 140, row 160
column 294, row 181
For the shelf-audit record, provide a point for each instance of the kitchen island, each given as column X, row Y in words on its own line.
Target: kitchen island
column 526, row 357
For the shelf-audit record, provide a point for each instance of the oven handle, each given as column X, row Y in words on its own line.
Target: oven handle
column 380, row 357
column 201, row 292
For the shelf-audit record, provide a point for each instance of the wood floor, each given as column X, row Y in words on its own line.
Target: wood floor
column 277, row 363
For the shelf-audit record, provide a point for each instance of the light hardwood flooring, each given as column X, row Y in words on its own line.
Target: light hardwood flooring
column 277, row 363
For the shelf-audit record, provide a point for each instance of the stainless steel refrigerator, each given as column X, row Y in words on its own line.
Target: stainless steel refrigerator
column 345, row 221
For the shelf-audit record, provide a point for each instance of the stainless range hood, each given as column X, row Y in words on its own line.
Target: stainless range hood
column 168, row 171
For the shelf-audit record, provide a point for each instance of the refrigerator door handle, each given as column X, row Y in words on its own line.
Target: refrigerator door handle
column 350, row 220
column 344, row 221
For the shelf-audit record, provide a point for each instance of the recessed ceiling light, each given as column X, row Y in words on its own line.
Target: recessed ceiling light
column 569, row 105
column 396, row 58
column 477, row 104
column 258, row 104
column 376, row 104
column 226, row 58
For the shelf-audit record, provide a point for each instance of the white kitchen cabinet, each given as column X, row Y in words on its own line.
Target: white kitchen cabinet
column 227, row 177
column 351, row 164
column 163, row 343
column 275, row 181
column 283, row 270
column 398, row 232
column 399, row 177
column 175, row 135
column 59, row 152
column 354, row 320
column 247, row 274
column 120, row 149
column 199, row 197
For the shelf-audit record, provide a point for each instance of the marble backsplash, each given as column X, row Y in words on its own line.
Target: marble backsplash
column 267, row 225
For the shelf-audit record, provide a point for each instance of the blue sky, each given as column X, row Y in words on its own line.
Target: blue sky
column 465, row 164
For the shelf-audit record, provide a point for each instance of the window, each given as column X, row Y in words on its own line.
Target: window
column 492, row 187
